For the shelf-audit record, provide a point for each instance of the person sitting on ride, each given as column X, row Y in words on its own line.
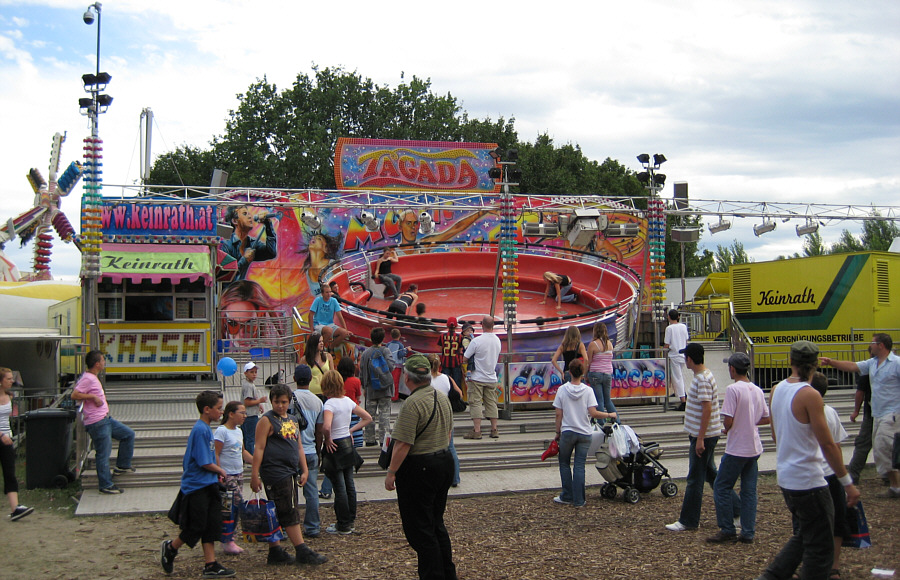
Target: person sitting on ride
column 405, row 301
column 383, row 272
column 559, row 286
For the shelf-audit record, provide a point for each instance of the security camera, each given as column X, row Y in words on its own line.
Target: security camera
column 88, row 17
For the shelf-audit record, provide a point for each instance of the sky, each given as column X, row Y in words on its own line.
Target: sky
column 780, row 101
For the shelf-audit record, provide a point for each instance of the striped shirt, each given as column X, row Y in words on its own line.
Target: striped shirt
column 702, row 389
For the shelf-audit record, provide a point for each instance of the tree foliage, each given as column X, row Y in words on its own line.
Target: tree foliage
column 727, row 256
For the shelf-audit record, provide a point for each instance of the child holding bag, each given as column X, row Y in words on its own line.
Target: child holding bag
column 231, row 456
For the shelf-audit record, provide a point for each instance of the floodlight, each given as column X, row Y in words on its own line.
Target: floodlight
column 426, row 224
column 720, row 226
column 311, row 220
column 659, row 159
column 643, row 158
column 369, row 220
column 811, row 227
column 540, row 230
column 763, row 228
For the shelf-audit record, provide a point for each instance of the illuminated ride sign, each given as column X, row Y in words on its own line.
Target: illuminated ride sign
column 414, row 165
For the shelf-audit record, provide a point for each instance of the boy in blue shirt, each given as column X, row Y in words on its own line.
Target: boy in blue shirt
column 201, row 507
column 327, row 318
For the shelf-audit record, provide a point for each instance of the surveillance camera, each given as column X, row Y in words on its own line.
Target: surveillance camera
column 88, row 17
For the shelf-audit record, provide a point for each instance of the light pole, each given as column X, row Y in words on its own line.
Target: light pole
column 91, row 200
column 656, row 224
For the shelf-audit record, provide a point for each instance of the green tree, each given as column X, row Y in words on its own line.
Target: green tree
column 878, row 234
column 814, row 246
column 846, row 243
column 727, row 256
column 186, row 165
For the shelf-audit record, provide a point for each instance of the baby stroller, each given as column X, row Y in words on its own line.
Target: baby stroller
column 636, row 472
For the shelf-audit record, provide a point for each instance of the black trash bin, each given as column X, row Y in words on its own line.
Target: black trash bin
column 48, row 446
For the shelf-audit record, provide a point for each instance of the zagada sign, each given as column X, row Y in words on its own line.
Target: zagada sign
column 147, row 219
column 414, row 165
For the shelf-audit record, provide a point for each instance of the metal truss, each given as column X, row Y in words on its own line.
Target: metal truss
column 821, row 212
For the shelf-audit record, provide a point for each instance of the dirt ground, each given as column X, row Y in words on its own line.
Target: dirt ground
column 520, row 536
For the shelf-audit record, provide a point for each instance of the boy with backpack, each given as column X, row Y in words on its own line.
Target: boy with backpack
column 378, row 382
column 398, row 355
column 200, row 516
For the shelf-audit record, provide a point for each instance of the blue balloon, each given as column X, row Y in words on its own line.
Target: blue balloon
column 227, row 366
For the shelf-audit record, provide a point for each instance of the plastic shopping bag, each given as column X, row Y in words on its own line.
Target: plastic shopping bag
column 618, row 444
column 259, row 522
column 859, row 528
column 597, row 438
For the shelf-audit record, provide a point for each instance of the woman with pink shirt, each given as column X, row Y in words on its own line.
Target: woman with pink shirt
column 600, row 370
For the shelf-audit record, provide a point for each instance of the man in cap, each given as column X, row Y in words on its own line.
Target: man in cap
column 253, row 402
column 421, row 470
column 883, row 370
column 703, row 425
column 743, row 410
column 802, row 438
column 311, row 439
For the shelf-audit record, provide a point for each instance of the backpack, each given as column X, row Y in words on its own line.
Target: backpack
column 380, row 377
column 297, row 411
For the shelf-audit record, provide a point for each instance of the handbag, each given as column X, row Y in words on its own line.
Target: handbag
column 259, row 522
column 387, row 447
column 229, row 517
column 618, row 445
column 597, row 438
column 859, row 528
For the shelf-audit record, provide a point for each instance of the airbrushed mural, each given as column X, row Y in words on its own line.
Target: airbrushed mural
column 281, row 242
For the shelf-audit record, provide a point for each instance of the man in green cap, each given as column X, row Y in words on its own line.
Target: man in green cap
column 421, row 470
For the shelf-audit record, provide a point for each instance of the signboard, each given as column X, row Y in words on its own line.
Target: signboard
column 121, row 218
column 538, row 382
column 414, row 165
column 155, row 350
column 154, row 262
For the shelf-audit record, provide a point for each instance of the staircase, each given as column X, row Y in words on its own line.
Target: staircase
column 163, row 412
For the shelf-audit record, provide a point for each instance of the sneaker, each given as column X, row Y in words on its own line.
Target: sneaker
column 121, row 470
column 20, row 512
column 745, row 540
column 313, row 535
column 472, row 435
column 559, row 499
column 306, row 556
column 721, row 538
column 333, row 529
column 216, row 570
column 495, row 434
column 677, row 527
column 278, row 556
column 167, row 556
column 323, row 495
column 891, row 493
column 111, row 490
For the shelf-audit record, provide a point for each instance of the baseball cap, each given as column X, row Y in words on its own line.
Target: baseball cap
column 451, row 322
column 302, row 375
column 693, row 350
column 418, row 364
column 249, row 365
column 805, row 352
column 739, row 361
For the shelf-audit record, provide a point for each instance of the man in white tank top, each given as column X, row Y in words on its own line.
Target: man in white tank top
column 802, row 438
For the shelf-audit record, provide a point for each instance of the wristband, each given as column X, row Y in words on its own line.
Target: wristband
column 846, row 480
column 392, row 472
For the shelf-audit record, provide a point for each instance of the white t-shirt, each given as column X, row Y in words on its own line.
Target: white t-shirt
column 677, row 338
column 342, row 409
column 441, row 383
column 837, row 433
column 486, row 349
column 574, row 400
column 230, row 458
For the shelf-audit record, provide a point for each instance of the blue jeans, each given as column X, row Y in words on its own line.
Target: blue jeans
column 573, row 482
column 311, row 496
column 344, row 498
column 249, row 430
column 812, row 517
column 602, row 384
column 455, row 463
column 326, row 487
column 700, row 469
column 102, row 433
column 728, row 504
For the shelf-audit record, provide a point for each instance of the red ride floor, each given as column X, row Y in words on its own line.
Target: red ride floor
column 472, row 304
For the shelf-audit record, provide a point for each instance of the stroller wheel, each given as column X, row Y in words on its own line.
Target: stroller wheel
column 669, row 489
column 632, row 495
column 608, row 491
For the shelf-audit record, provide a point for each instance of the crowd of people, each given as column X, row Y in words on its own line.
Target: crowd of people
column 298, row 433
